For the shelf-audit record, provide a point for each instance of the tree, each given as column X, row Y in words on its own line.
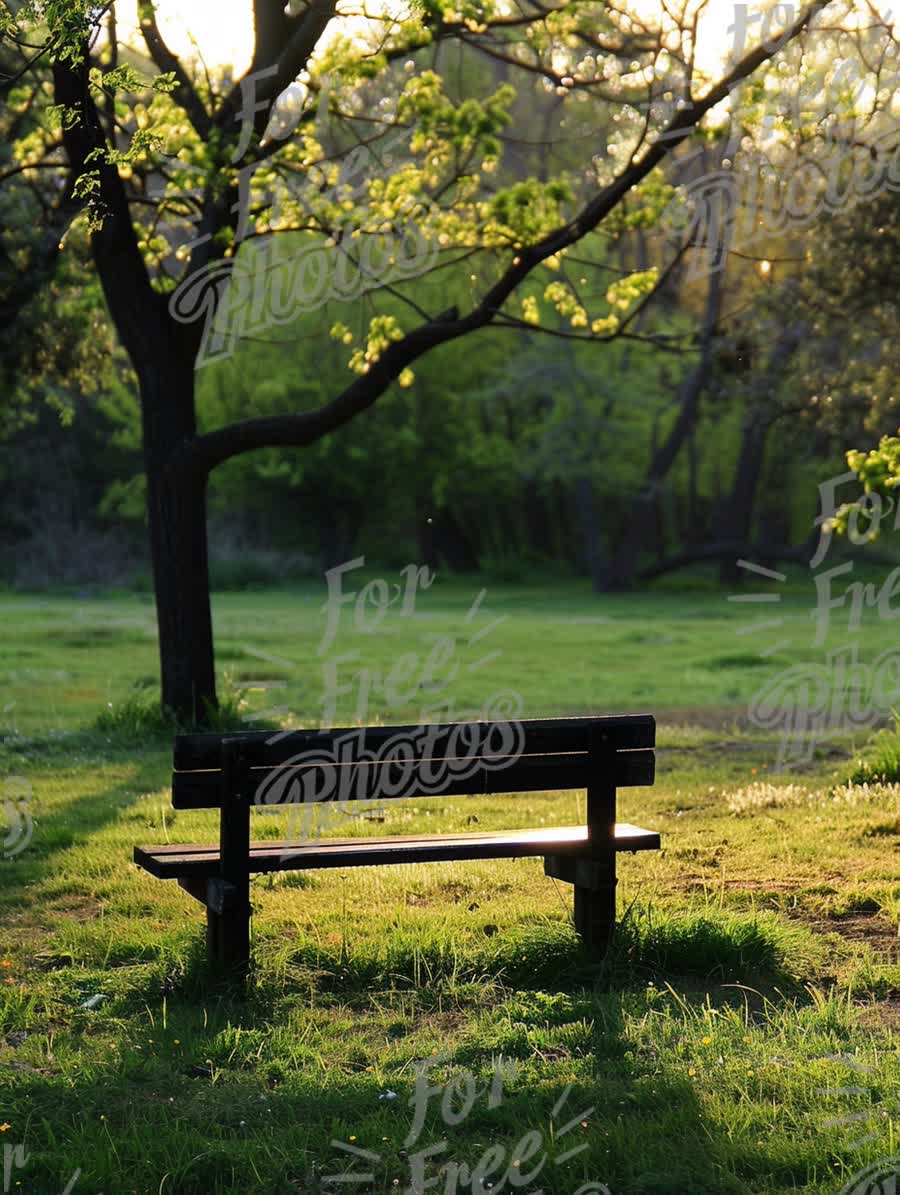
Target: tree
column 37, row 204
column 147, row 166
column 850, row 382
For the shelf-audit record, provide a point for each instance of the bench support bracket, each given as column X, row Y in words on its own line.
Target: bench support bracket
column 195, row 888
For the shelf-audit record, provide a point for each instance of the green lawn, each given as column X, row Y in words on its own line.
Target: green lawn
column 686, row 652
column 742, row 1037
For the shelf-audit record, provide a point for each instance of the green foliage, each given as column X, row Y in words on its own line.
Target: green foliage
column 69, row 24
column 878, row 471
column 248, row 570
column 880, row 762
column 445, row 443
column 136, row 718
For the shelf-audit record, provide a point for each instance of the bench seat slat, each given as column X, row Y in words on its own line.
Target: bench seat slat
column 201, row 862
column 551, row 773
column 196, row 752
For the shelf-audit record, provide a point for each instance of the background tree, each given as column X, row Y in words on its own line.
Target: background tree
column 152, row 164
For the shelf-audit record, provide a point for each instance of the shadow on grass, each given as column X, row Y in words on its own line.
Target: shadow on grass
column 127, row 1138
column 737, row 959
column 151, row 1122
column 276, row 1090
column 708, row 947
column 75, row 821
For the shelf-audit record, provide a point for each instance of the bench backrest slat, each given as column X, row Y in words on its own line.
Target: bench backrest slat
column 196, row 752
column 395, row 762
column 356, row 782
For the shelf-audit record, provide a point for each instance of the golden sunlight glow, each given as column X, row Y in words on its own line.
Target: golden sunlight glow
column 220, row 32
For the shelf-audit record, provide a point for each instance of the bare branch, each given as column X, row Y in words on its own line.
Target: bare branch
column 168, row 62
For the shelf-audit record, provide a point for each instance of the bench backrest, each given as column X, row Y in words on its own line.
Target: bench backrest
column 394, row 762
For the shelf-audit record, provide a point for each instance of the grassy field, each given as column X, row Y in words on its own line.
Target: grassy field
column 742, row 1036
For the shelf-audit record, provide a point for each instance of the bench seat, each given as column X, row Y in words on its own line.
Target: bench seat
column 203, row 862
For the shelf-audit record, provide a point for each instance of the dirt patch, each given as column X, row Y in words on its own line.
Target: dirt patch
column 80, row 910
column 694, row 882
column 882, row 1014
column 723, row 717
column 759, row 886
column 869, row 928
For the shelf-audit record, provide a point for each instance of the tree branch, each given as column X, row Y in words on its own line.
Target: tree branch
column 119, row 262
column 211, row 449
column 288, row 59
column 168, row 62
column 726, row 550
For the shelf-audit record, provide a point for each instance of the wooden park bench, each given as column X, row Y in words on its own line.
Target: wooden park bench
column 235, row 771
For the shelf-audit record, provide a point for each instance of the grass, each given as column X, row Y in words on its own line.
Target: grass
column 881, row 758
column 686, row 654
column 741, row 1037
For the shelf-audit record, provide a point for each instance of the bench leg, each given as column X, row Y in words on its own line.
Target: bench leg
column 595, row 908
column 213, row 938
column 234, row 939
column 594, row 881
column 228, row 929
column 595, row 903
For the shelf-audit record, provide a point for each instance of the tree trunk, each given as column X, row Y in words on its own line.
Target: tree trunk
column 537, row 531
column 743, row 494
column 176, row 509
column 446, row 544
column 586, row 503
column 625, row 563
column 163, row 353
column 757, row 422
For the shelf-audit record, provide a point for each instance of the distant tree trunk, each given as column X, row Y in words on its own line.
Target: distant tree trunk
column 726, row 549
column 739, row 510
column 445, row 544
column 625, row 563
column 567, row 545
column 595, row 557
column 774, row 517
column 695, row 530
column 536, row 522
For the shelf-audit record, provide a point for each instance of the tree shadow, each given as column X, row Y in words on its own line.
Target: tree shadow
column 141, row 1125
column 78, row 819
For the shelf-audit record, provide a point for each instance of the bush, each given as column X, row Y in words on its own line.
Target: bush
column 504, row 570
column 141, row 715
column 880, row 759
column 235, row 568
column 251, row 571
column 62, row 550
